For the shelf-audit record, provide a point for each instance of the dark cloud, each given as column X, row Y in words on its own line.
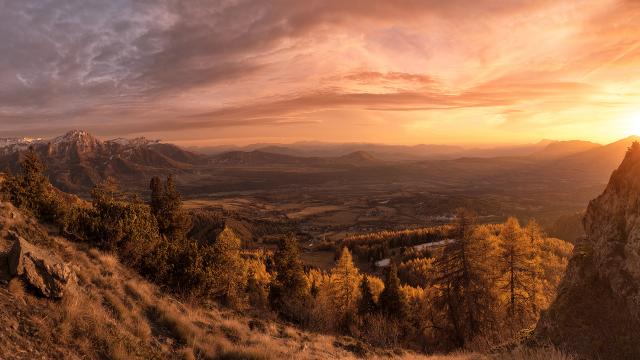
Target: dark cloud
column 57, row 48
column 99, row 64
column 498, row 93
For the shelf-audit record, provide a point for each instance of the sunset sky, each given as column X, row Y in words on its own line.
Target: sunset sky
column 243, row 71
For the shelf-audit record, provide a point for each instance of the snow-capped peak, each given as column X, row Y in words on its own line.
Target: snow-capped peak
column 139, row 141
column 74, row 136
column 5, row 142
column 120, row 141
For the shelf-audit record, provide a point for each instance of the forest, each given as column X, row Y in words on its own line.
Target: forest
column 484, row 288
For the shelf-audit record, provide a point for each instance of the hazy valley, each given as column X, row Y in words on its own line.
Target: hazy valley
column 330, row 196
column 351, row 212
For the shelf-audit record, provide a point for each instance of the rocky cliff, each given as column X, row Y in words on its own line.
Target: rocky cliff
column 597, row 311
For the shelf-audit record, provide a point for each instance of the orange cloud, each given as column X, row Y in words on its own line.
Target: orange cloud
column 519, row 70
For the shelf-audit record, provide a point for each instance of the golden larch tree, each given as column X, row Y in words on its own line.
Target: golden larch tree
column 345, row 279
column 517, row 271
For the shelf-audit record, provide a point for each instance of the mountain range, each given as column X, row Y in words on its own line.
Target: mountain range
column 77, row 160
column 381, row 151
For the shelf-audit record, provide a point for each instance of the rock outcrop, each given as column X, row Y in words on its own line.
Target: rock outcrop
column 41, row 271
column 597, row 311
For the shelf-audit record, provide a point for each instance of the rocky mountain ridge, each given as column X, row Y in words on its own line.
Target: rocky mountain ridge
column 78, row 160
column 597, row 311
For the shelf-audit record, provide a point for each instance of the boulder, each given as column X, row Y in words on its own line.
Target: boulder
column 596, row 314
column 42, row 271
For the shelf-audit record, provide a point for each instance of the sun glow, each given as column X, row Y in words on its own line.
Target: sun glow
column 632, row 123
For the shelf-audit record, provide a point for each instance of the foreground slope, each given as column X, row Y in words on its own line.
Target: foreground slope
column 109, row 312
column 597, row 311
column 113, row 313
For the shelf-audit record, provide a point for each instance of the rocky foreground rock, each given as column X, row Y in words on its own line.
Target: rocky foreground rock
column 46, row 274
column 597, row 312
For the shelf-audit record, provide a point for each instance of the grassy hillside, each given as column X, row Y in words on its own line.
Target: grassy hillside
column 108, row 310
column 112, row 313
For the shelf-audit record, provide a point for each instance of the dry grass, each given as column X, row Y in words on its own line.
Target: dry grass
column 242, row 354
column 114, row 314
column 17, row 289
column 533, row 354
column 95, row 319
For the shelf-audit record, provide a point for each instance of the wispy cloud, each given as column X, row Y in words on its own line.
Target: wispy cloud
column 172, row 67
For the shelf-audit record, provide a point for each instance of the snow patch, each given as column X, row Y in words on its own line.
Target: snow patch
column 5, row 142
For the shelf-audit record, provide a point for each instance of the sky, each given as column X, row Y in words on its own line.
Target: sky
column 200, row 72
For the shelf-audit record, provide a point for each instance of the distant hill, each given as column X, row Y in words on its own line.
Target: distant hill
column 559, row 149
column 256, row 158
column 598, row 162
column 283, row 150
column 380, row 151
column 77, row 161
column 262, row 158
column 358, row 158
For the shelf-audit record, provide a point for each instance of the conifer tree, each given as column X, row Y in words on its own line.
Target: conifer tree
column 516, row 270
column 166, row 206
column 34, row 181
column 366, row 304
column 157, row 196
column 32, row 190
column 289, row 293
column 533, row 232
column 227, row 268
column 178, row 220
column 535, row 236
column 345, row 279
column 124, row 223
column 392, row 300
column 464, row 280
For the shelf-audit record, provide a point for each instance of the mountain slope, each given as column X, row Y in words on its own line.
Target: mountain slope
column 600, row 160
column 559, row 149
column 109, row 312
column 112, row 313
column 77, row 160
column 597, row 311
